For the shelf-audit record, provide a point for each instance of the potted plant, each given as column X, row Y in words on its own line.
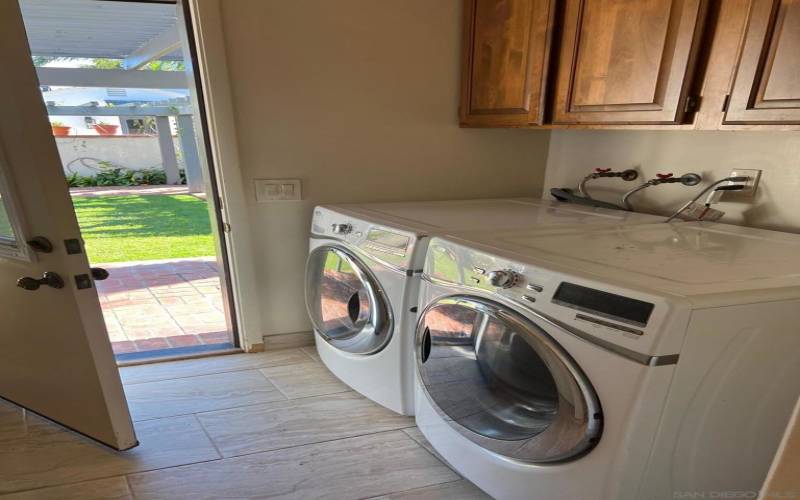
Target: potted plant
column 104, row 128
column 60, row 129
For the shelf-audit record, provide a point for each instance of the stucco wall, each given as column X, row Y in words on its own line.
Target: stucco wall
column 131, row 152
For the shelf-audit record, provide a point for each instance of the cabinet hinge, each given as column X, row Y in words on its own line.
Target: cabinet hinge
column 725, row 103
column 692, row 104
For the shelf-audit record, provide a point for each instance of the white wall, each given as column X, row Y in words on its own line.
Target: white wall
column 130, row 152
column 358, row 99
column 573, row 154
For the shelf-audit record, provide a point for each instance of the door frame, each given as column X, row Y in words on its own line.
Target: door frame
column 210, row 68
column 207, row 44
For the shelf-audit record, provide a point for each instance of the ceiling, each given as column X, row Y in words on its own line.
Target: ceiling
column 94, row 28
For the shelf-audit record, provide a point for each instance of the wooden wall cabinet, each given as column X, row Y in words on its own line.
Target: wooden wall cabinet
column 626, row 61
column 766, row 88
column 631, row 64
column 505, row 62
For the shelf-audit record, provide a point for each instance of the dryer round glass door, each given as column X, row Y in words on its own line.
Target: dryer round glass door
column 501, row 381
column 345, row 302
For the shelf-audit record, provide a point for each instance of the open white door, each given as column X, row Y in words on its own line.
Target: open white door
column 55, row 356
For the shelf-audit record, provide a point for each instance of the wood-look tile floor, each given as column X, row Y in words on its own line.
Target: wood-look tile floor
column 268, row 425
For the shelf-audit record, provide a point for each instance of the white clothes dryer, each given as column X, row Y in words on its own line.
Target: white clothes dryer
column 654, row 361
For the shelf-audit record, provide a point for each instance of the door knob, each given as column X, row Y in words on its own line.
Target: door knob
column 41, row 244
column 99, row 274
column 50, row 279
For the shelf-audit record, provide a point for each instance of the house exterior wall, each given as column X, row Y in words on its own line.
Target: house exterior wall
column 80, row 153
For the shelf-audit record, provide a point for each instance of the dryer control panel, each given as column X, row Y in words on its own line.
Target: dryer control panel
column 389, row 245
column 637, row 320
column 604, row 304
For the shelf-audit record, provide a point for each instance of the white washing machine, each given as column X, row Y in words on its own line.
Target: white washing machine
column 640, row 362
column 362, row 278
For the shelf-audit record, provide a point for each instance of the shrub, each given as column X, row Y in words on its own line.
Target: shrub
column 150, row 176
column 110, row 174
column 114, row 177
column 119, row 177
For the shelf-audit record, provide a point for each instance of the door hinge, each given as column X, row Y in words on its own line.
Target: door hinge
column 725, row 103
column 226, row 227
column 692, row 104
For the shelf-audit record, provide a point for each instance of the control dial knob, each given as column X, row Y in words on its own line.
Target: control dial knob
column 503, row 279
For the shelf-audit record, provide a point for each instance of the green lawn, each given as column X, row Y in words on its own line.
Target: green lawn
column 125, row 228
column 5, row 224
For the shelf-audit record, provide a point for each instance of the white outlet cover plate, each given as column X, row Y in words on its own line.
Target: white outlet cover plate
column 750, row 186
column 278, row 190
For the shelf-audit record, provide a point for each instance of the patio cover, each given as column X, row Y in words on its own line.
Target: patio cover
column 96, row 29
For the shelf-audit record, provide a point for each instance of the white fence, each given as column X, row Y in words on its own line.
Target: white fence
column 82, row 154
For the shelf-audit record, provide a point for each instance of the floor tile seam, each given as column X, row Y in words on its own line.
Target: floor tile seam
column 60, row 485
column 324, row 441
column 236, row 407
column 208, row 374
column 383, row 495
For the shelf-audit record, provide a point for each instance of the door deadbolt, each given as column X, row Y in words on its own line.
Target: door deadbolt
column 41, row 244
column 99, row 274
column 51, row 279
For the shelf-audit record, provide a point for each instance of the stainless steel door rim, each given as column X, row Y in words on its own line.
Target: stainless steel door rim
column 346, row 303
column 501, row 381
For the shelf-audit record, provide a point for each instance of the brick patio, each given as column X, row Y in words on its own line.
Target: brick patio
column 161, row 304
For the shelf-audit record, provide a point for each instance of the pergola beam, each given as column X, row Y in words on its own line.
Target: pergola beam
column 130, row 111
column 155, row 48
column 115, row 78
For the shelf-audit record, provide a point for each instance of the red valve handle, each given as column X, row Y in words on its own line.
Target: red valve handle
column 664, row 176
column 602, row 170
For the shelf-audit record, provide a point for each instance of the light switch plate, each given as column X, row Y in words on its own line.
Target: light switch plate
column 278, row 190
column 750, row 186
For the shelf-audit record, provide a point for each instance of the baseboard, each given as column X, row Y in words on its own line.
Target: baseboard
column 255, row 348
column 288, row 341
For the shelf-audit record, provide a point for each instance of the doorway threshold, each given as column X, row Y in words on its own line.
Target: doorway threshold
column 175, row 353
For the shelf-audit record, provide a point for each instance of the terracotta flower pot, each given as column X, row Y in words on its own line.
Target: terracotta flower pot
column 60, row 131
column 103, row 129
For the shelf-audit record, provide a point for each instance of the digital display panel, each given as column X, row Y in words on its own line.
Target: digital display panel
column 605, row 304
column 387, row 241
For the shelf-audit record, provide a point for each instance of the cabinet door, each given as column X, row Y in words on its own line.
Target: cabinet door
column 624, row 61
column 767, row 84
column 506, row 54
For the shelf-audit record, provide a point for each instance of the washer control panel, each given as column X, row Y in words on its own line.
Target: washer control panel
column 630, row 318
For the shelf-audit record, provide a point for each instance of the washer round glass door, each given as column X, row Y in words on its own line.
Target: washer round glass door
column 501, row 381
column 345, row 302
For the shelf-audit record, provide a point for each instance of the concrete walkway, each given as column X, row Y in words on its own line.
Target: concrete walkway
column 152, row 305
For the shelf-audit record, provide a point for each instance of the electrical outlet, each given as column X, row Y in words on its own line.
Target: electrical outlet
column 750, row 186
